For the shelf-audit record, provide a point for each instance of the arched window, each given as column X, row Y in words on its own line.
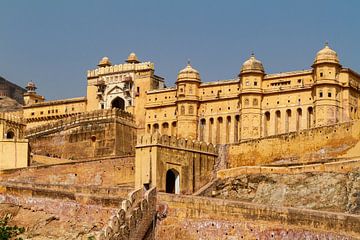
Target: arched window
column 219, row 129
column 255, row 102
column 173, row 128
column 165, row 128
column 172, row 181
column 118, row 103
column 287, row 120
column 155, row 127
column 277, row 122
column 236, row 128
column 310, row 117
column 298, row 119
column 182, row 110
column 191, row 110
column 246, row 103
column 267, row 124
column 202, row 129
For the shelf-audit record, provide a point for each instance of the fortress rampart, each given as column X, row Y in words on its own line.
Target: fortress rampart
column 93, row 134
column 192, row 217
column 173, row 164
column 309, row 145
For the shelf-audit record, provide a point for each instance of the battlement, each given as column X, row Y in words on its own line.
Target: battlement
column 11, row 118
column 133, row 219
column 174, row 142
column 80, row 118
column 126, row 67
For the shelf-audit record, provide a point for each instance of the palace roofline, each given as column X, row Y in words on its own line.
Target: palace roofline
column 54, row 102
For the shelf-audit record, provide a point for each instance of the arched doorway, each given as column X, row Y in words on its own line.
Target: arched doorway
column 172, row 181
column 118, row 103
column 10, row 134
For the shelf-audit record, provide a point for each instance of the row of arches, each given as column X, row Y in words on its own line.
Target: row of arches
column 287, row 121
column 165, row 128
column 227, row 129
column 222, row 129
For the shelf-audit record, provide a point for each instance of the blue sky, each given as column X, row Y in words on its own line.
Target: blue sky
column 54, row 43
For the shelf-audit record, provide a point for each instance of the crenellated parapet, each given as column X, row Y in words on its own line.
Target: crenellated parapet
column 191, row 163
column 87, row 117
column 133, row 218
column 174, row 142
column 12, row 118
column 120, row 68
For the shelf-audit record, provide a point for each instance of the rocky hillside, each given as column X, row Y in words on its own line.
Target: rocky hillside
column 338, row 192
column 9, row 105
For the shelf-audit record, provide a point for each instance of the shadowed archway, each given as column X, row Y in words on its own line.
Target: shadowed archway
column 172, row 181
column 118, row 103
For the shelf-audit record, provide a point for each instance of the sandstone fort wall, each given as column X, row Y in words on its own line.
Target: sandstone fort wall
column 190, row 217
column 104, row 172
column 94, row 134
column 305, row 146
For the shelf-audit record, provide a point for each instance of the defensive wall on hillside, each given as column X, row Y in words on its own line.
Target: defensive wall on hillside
column 103, row 172
column 100, row 133
column 340, row 165
column 192, row 217
column 304, row 146
column 174, row 165
column 100, row 192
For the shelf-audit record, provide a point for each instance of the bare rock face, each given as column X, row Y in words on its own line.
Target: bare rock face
column 41, row 225
column 9, row 105
column 321, row 191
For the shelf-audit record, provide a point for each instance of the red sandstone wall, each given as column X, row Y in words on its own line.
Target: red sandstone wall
column 105, row 172
column 190, row 217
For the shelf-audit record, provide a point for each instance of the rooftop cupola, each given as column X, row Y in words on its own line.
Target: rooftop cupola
column 31, row 87
column 188, row 74
column 326, row 55
column 252, row 65
column 132, row 58
column 104, row 62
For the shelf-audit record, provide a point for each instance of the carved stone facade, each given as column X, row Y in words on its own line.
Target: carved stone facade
column 255, row 104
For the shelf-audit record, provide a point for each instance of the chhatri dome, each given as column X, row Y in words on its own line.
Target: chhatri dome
column 31, row 87
column 252, row 65
column 188, row 73
column 326, row 55
column 132, row 58
column 104, row 62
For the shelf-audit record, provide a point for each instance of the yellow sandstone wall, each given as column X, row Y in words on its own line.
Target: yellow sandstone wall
column 306, row 146
column 13, row 153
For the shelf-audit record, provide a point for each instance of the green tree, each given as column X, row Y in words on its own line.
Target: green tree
column 7, row 232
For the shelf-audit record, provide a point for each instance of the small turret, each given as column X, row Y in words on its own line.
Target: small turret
column 187, row 84
column 326, row 70
column 31, row 87
column 132, row 58
column 104, row 62
column 30, row 97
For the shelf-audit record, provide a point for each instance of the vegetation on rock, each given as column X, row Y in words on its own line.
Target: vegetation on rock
column 7, row 232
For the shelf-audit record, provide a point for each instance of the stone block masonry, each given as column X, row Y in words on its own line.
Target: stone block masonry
column 299, row 147
column 191, row 217
column 100, row 133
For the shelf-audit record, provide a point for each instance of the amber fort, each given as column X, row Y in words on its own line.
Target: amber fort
column 260, row 156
